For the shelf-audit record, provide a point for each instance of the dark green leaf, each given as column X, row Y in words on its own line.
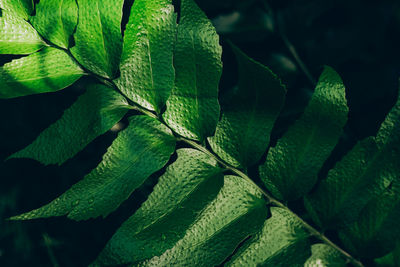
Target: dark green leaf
column 282, row 241
column 188, row 185
column 56, row 20
column 94, row 113
column 21, row 8
column 193, row 109
column 98, row 38
column 391, row 259
column 325, row 256
column 140, row 150
column 17, row 36
column 292, row 166
column 243, row 133
column 147, row 73
column 48, row 70
column 362, row 174
column 237, row 212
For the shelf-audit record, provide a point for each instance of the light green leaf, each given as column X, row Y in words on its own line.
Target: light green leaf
column 282, row 241
column 48, row 70
column 98, row 38
column 94, row 113
column 17, row 36
column 187, row 186
column 193, row 109
column 147, row 73
column 21, row 8
column 364, row 172
column 140, row 150
column 56, row 20
column 292, row 166
column 325, row 256
column 248, row 115
column 237, row 212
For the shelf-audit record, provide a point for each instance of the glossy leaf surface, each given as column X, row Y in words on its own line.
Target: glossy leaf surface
column 147, row 73
column 292, row 166
column 187, row 186
column 248, row 115
column 94, row 113
column 193, row 109
column 48, row 70
column 140, row 150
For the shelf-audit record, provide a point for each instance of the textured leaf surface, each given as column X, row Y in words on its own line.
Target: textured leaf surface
column 363, row 173
column 56, row 20
column 147, row 73
column 193, row 109
column 98, row 37
column 21, row 8
column 248, row 115
column 325, row 256
column 17, row 36
column 94, row 113
column 292, row 166
column 140, row 150
column 188, row 185
column 48, row 70
column 282, row 242
column 376, row 230
column 238, row 211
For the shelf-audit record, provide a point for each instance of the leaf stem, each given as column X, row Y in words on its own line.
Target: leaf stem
column 271, row 200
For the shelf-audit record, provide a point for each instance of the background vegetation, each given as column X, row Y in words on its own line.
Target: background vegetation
column 359, row 38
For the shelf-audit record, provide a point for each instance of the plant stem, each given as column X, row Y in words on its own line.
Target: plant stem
column 271, row 200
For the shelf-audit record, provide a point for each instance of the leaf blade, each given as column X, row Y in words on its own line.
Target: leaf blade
column 48, row 70
column 94, row 113
column 193, row 108
column 291, row 168
column 21, row 8
column 243, row 132
column 56, row 20
column 98, row 37
column 187, row 186
column 147, row 74
column 125, row 166
column 18, row 36
column 325, row 256
column 282, row 241
column 235, row 213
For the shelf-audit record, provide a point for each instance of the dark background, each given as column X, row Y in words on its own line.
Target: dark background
column 360, row 39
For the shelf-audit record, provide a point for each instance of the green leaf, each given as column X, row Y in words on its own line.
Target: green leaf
column 56, row 20
column 248, row 115
column 391, row 259
column 325, row 256
column 140, row 150
column 48, row 70
column 282, row 241
column 376, row 231
column 292, row 166
column 237, row 212
column 187, row 186
column 193, row 109
column 21, row 8
column 362, row 174
column 147, row 73
column 98, row 38
column 17, row 36
column 94, row 113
